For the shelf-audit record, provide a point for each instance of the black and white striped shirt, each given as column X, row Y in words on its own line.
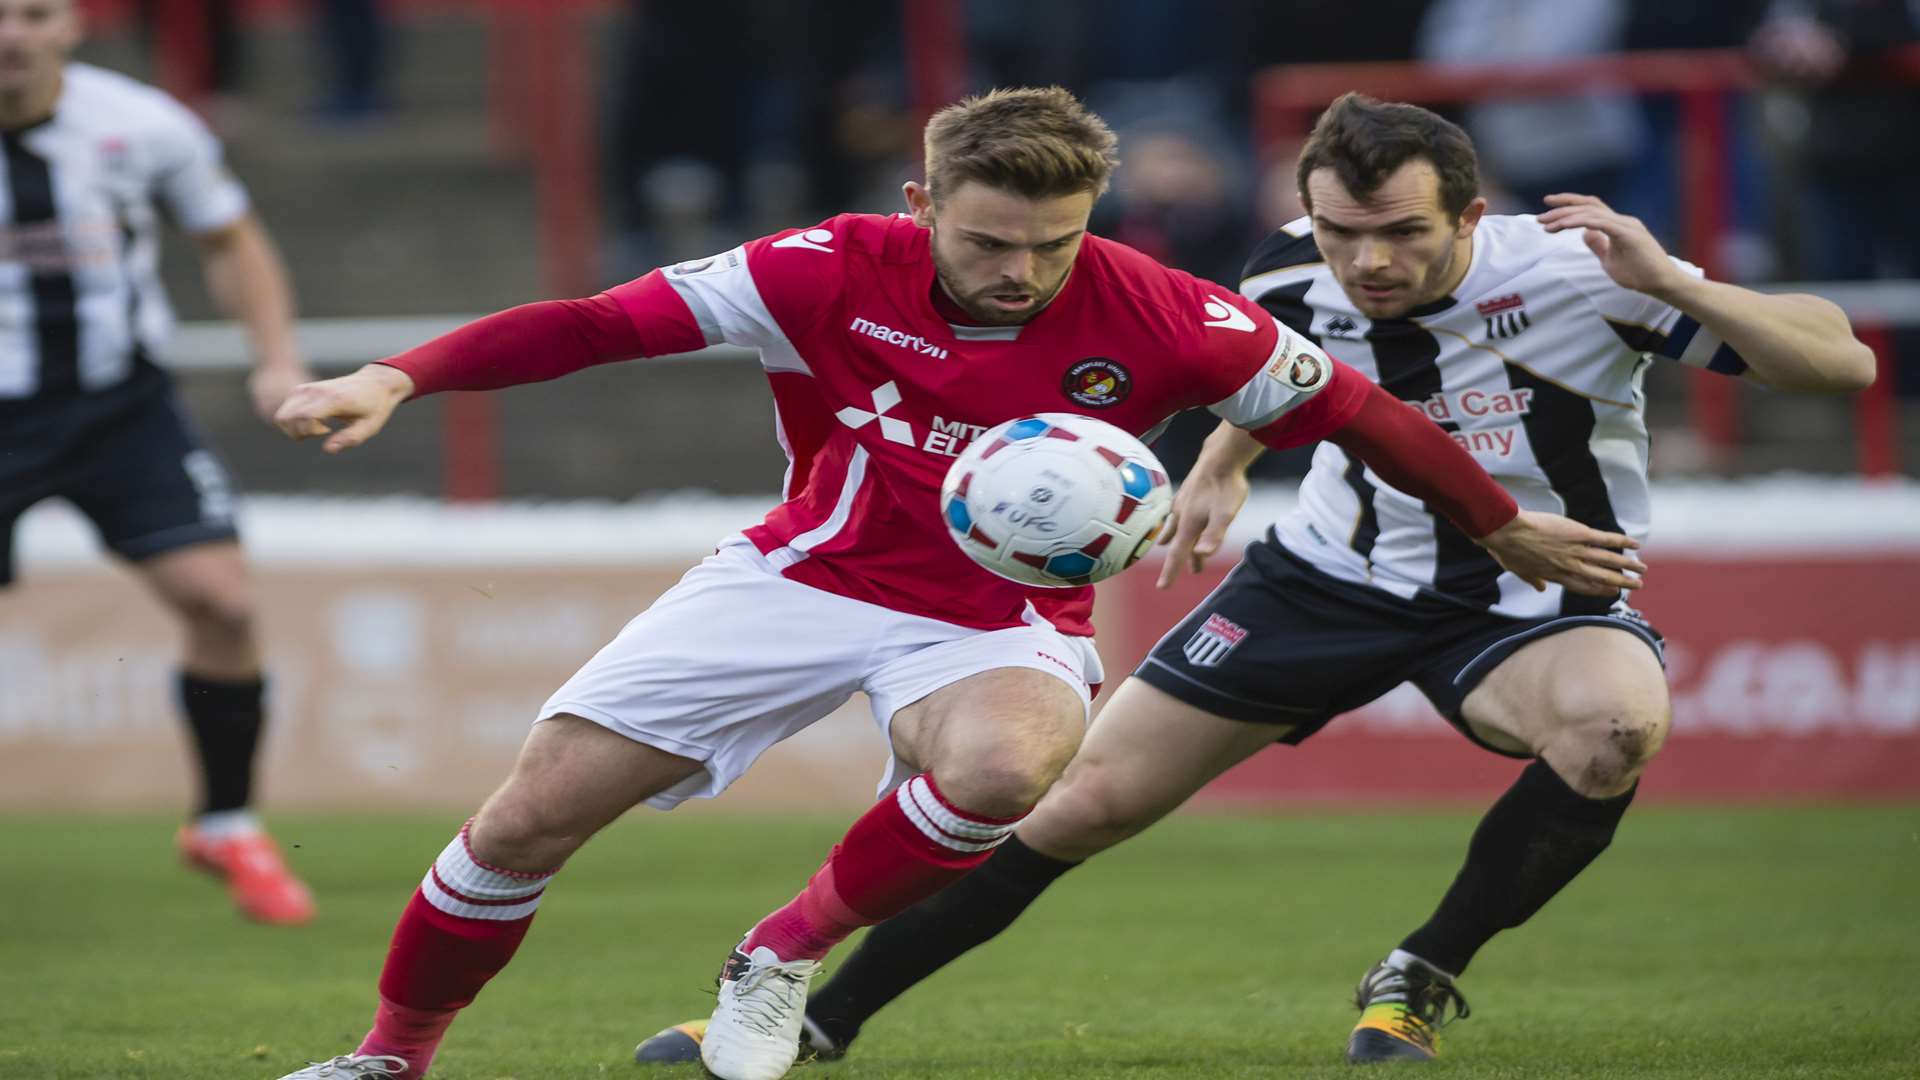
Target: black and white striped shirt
column 80, row 293
column 1533, row 364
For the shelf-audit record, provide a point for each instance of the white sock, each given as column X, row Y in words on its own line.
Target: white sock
column 1404, row 960
column 226, row 824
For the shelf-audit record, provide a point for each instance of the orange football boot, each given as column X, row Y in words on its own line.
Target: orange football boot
column 257, row 878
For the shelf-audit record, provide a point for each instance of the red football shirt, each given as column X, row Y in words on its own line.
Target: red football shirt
column 876, row 392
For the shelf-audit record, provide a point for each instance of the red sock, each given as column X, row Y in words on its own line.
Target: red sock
column 461, row 927
column 909, row 846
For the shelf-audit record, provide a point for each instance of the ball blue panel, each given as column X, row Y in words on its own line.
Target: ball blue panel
column 957, row 515
column 1135, row 481
column 1072, row 564
column 1031, row 427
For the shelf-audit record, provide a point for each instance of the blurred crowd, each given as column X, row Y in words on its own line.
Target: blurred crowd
column 720, row 120
column 731, row 117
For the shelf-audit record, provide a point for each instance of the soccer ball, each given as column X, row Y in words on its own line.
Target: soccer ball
column 1056, row 500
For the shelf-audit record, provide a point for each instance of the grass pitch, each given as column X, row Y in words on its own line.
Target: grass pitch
column 1770, row 943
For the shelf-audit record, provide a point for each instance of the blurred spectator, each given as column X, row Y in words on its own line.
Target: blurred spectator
column 354, row 36
column 1691, row 24
column 1856, row 136
column 205, row 33
column 1183, row 202
column 731, row 117
column 1586, row 143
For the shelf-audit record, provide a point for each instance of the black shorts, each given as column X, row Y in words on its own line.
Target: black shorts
column 127, row 457
column 1279, row 642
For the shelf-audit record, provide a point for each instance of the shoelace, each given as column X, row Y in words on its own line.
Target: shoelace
column 763, row 1013
column 1427, row 1000
column 387, row 1064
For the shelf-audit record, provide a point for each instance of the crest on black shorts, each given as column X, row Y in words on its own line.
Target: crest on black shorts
column 1213, row 641
column 1097, row 382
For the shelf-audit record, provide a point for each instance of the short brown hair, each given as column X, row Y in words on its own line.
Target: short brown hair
column 1365, row 140
column 1037, row 142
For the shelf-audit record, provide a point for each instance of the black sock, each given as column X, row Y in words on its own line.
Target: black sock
column 924, row 938
column 1534, row 840
column 225, row 718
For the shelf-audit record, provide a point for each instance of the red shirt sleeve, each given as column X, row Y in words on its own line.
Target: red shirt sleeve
column 1402, row 447
column 658, row 314
column 537, row 342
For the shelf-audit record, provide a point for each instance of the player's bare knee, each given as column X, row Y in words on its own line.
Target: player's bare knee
column 1003, row 768
column 998, row 785
column 1006, row 778
column 526, row 834
column 1602, row 743
column 219, row 620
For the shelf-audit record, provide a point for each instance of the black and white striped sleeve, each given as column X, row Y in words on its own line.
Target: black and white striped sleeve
column 1652, row 326
column 191, row 179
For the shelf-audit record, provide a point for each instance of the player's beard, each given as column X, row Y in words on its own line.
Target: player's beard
column 1428, row 287
column 974, row 302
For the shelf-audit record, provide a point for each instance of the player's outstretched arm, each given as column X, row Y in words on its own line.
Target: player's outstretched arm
column 1208, row 500
column 1790, row 341
column 249, row 280
column 529, row 343
column 347, row 411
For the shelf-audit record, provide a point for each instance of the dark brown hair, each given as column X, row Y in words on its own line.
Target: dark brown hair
column 1364, row 140
column 1037, row 142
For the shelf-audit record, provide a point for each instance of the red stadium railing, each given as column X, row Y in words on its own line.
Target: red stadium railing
column 1286, row 100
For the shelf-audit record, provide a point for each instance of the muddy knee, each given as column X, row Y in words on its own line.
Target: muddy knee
column 1601, row 744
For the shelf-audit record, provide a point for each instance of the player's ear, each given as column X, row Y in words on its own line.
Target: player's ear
column 1470, row 218
column 919, row 203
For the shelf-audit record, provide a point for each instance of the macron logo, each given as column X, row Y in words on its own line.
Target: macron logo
column 905, row 340
column 811, row 240
column 1226, row 316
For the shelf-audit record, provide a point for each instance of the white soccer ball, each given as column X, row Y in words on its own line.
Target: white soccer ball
column 1056, row 500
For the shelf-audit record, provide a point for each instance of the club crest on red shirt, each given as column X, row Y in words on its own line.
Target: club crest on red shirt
column 1097, row 382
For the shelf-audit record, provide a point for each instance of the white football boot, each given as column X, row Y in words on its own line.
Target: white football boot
column 352, row 1067
column 755, row 1030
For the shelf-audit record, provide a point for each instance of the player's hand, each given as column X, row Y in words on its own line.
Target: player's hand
column 1205, row 505
column 269, row 384
column 1627, row 251
column 1539, row 547
column 359, row 404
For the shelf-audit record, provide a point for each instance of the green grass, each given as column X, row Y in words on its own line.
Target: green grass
column 1768, row 943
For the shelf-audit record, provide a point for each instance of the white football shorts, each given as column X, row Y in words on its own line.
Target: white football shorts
column 735, row 658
